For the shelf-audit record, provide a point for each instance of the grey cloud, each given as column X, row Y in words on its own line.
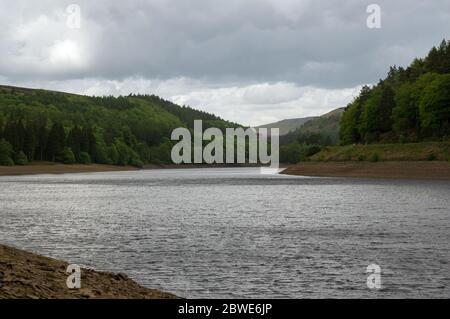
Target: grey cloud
column 320, row 43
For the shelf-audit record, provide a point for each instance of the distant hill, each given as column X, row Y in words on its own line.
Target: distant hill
column 327, row 124
column 287, row 126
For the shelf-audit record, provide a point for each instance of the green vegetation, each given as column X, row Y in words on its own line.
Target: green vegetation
column 288, row 126
column 307, row 140
column 327, row 125
column 423, row 151
column 410, row 105
column 39, row 125
column 6, row 153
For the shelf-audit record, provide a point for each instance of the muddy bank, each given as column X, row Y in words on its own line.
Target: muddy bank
column 400, row 170
column 55, row 168
column 28, row 275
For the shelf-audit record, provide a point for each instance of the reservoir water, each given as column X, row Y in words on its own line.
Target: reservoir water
column 225, row 233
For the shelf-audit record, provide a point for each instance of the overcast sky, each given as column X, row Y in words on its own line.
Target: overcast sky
column 249, row 61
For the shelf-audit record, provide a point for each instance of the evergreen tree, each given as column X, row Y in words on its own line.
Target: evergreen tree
column 6, row 152
column 55, row 142
column 30, row 141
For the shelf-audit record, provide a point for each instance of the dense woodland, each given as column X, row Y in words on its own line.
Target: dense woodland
column 39, row 125
column 410, row 105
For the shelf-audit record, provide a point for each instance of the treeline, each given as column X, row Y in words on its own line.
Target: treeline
column 29, row 141
column 38, row 125
column 410, row 105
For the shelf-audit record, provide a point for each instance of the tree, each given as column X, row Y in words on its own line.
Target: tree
column 290, row 153
column 113, row 154
column 387, row 104
column 435, row 107
column 370, row 126
column 102, row 153
column 30, row 141
column 6, row 151
column 56, row 142
column 41, row 137
column 74, row 141
column 67, row 156
column 406, row 113
column 84, row 158
column 351, row 119
column 349, row 129
column 15, row 134
column 20, row 158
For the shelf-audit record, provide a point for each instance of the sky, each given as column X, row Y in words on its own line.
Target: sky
column 248, row 61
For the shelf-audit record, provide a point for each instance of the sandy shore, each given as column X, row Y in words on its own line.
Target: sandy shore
column 55, row 168
column 28, row 275
column 399, row 170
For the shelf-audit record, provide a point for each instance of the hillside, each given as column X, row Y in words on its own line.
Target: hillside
column 42, row 125
column 326, row 125
column 288, row 125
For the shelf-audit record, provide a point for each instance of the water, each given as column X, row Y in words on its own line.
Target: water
column 210, row 233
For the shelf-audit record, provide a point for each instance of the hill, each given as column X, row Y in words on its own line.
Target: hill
column 288, row 125
column 311, row 137
column 326, row 124
column 42, row 125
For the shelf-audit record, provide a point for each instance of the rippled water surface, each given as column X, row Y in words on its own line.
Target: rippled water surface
column 237, row 233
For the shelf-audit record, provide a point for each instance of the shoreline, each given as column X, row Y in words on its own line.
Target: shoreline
column 420, row 170
column 26, row 275
column 57, row 168
column 428, row 170
column 37, row 168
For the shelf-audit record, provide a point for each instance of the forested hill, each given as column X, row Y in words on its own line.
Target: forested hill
column 410, row 105
column 41, row 125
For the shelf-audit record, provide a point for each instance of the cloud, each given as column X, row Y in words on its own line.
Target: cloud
column 258, row 53
column 248, row 104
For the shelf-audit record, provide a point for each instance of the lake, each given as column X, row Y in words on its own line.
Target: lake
column 233, row 232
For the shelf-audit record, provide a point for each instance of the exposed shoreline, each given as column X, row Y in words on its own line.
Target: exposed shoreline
column 56, row 168
column 438, row 170
column 32, row 276
column 429, row 170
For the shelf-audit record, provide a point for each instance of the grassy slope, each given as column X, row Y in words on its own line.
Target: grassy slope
column 327, row 123
column 288, row 125
column 386, row 152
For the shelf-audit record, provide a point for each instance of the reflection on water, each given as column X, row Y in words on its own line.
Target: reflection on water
column 237, row 233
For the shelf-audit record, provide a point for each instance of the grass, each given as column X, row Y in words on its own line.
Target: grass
column 426, row 151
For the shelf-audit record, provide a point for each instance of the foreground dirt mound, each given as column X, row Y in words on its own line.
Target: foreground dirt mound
column 28, row 275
